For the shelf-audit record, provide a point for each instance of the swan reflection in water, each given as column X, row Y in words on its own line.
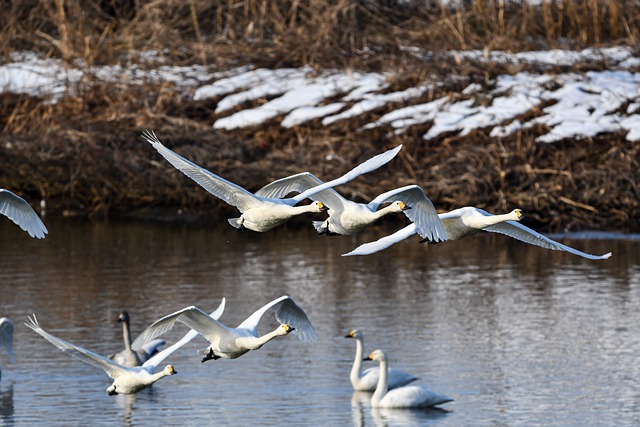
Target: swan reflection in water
column 361, row 405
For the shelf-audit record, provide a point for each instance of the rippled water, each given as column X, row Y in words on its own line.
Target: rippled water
column 517, row 335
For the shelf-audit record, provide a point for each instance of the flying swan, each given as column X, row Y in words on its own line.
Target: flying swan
column 259, row 213
column 464, row 222
column 347, row 217
column 411, row 396
column 20, row 212
column 230, row 343
column 125, row 380
column 367, row 380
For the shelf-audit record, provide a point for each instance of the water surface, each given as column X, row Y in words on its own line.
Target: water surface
column 517, row 335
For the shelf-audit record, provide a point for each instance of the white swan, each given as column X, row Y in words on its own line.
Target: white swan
column 260, row 213
column 411, row 396
column 347, row 217
column 128, row 357
column 20, row 212
column 466, row 221
column 125, row 380
column 6, row 338
column 368, row 379
column 231, row 343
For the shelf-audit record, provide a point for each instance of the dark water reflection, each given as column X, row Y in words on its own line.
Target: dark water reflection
column 515, row 334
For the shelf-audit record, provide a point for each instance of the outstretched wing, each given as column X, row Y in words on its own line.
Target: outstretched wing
column 422, row 213
column 152, row 363
column 109, row 366
column 192, row 316
column 300, row 183
column 227, row 191
column 20, row 212
column 370, row 165
column 385, row 242
column 286, row 311
column 527, row 235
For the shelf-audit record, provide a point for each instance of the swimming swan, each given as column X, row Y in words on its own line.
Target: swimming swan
column 20, row 212
column 231, row 343
column 125, row 380
column 368, row 379
column 128, row 357
column 261, row 214
column 6, row 338
column 347, row 217
column 466, row 221
column 411, row 396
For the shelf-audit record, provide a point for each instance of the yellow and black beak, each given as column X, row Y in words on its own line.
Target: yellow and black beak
column 323, row 207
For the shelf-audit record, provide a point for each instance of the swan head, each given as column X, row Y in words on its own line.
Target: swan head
column 400, row 206
column 285, row 329
column 354, row 333
column 123, row 317
column 517, row 214
column 169, row 370
column 377, row 356
column 321, row 206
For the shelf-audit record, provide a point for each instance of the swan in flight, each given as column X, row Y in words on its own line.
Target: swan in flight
column 347, row 217
column 125, row 380
column 259, row 213
column 411, row 396
column 367, row 380
column 128, row 357
column 230, row 343
column 464, row 222
column 6, row 338
column 20, row 212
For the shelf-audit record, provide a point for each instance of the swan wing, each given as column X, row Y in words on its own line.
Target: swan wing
column 191, row 316
column 229, row 192
column 152, row 363
column 6, row 336
column 370, row 165
column 286, row 311
column 413, row 397
column 295, row 183
column 22, row 214
column 527, row 235
column 422, row 213
column 384, row 242
column 109, row 366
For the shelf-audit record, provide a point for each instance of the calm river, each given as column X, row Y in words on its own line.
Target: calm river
column 517, row 335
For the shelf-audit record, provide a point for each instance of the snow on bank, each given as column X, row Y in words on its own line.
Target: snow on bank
column 568, row 105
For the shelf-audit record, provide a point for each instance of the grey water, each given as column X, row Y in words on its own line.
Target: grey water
column 517, row 335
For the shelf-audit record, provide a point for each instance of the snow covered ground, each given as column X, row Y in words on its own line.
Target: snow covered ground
column 568, row 105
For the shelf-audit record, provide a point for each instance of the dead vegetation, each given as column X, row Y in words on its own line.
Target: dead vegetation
column 84, row 154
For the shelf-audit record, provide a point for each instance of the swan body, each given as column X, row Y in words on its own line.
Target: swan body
column 6, row 338
column 464, row 222
column 347, row 217
column 367, row 380
column 125, row 380
column 22, row 214
column 128, row 357
column 411, row 396
column 260, row 213
column 230, row 343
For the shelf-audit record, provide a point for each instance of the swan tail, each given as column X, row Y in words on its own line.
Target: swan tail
column 235, row 222
column 320, row 227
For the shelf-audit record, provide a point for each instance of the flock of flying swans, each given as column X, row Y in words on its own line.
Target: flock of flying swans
column 134, row 368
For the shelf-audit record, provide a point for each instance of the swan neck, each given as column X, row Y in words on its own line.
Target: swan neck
column 384, row 211
column 382, row 387
column 254, row 343
column 356, row 370
column 496, row 219
column 126, row 334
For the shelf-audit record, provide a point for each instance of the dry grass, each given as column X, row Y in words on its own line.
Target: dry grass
column 85, row 156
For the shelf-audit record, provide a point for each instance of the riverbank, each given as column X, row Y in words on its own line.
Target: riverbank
column 556, row 137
